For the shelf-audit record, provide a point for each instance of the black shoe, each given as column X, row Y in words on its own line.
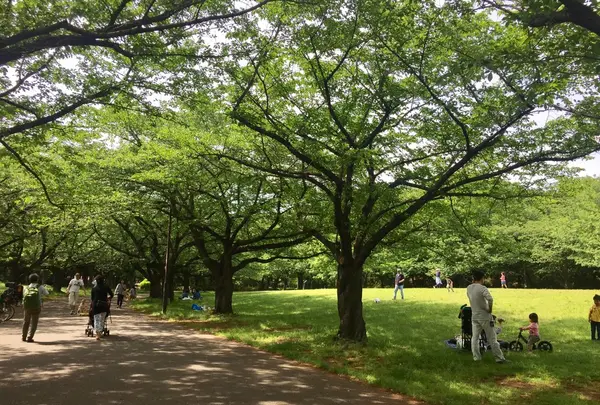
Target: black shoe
column 24, row 339
column 29, row 340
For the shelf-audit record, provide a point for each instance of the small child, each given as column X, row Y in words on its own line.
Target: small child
column 498, row 328
column 534, row 331
column 449, row 284
column 594, row 318
column 132, row 293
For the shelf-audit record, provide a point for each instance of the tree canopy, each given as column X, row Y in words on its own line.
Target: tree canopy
column 381, row 134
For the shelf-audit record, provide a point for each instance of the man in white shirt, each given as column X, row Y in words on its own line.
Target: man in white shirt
column 73, row 291
column 482, row 303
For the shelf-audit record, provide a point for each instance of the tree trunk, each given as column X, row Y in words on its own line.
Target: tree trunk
column 171, row 282
column 349, row 290
column 16, row 273
column 261, row 286
column 301, row 281
column 155, row 285
column 186, row 279
column 59, row 279
column 224, row 287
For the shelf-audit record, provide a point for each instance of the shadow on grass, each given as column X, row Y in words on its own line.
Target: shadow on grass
column 405, row 350
column 154, row 363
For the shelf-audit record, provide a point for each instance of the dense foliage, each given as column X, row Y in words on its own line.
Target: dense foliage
column 298, row 145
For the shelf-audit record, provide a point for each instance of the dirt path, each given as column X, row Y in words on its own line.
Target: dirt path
column 150, row 362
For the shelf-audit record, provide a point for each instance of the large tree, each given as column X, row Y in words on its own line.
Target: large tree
column 57, row 56
column 536, row 13
column 387, row 107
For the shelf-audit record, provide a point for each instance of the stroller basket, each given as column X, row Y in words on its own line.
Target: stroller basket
column 89, row 329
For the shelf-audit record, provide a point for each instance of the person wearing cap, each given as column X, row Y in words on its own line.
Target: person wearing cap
column 399, row 284
column 73, row 292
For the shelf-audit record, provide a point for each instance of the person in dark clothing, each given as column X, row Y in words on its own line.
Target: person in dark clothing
column 100, row 304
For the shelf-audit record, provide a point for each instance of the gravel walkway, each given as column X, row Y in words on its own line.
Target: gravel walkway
column 147, row 362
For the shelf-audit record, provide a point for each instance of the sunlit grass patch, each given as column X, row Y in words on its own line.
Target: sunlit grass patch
column 406, row 351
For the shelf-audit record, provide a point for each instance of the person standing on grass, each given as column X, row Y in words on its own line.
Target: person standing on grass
column 32, row 307
column 449, row 284
column 100, row 304
column 438, row 278
column 594, row 318
column 503, row 280
column 399, row 284
column 482, row 303
column 73, row 292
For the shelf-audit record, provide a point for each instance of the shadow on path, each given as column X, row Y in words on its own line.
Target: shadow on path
column 150, row 362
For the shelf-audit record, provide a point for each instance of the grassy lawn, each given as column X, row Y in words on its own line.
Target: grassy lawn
column 405, row 350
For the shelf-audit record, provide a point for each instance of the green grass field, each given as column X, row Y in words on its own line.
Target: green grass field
column 405, row 350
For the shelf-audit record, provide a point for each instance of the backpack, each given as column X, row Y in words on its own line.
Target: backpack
column 31, row 298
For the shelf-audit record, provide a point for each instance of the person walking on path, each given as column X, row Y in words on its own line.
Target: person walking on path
column 32, row 307
column 132, row 293
column 120, row 293
column 399, row 284
column 100, row 305
column 594, row 318
column 503, row 280
column 73, row 292
column 482, row 303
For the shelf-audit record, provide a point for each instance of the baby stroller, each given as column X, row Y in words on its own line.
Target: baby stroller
column 466, row 329
column 465, row 315
column 89, row 329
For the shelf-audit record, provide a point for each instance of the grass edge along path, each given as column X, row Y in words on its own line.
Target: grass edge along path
column 405, row 352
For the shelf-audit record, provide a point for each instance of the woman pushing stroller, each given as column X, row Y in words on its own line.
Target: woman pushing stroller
column 100, row 304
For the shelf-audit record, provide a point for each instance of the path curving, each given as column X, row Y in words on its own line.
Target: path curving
column 145, row 362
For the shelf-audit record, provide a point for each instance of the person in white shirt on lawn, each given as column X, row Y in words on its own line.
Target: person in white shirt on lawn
column 482, row 304
column 73, row 291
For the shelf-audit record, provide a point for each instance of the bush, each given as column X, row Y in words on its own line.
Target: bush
column 145, row 285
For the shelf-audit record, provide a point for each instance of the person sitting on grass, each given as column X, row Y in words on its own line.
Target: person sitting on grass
column 185, row 293
column 195, row 294
column 594, row 318
column 534, row 331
